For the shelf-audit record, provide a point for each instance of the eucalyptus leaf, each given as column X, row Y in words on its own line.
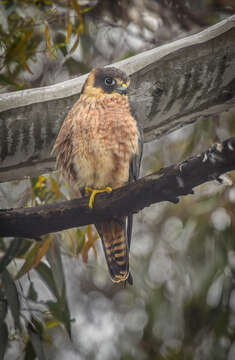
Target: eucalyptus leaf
column 47, row 276
column 12, row 297
column 37, row 342
column 3, row 339
column 3, row 307
column 54, row 258
column 29, row 351
column 29, row 261
column 10, row 253
column 60, row 308
column 61, row 312
column 32, row 293
column 5, row 80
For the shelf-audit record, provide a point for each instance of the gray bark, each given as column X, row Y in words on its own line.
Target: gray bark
column 172, row 86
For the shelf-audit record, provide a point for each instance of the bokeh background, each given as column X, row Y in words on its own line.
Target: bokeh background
column 182, row 303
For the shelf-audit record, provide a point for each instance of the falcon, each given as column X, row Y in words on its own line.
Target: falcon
column 99, row 149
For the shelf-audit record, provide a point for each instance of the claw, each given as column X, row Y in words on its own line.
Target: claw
column 94, row 192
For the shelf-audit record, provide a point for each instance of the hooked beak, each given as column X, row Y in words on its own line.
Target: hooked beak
column 122, row 89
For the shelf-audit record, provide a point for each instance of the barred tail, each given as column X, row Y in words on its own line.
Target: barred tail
column 116, row 249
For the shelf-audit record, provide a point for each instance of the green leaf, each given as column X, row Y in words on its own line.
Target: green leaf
column 80, row 240
column 10, row 253
column 69, row 31
column 18, row 47
column 12, row 297
column 5, row 80
column 24, row 248
column 3, row 307
column 32, row 294
column 3, row 247
column 37, row 342
column 75, row 45
column 29, row 261
column 61, row 312
column 51, row 323
column 43, row 249
column 38, row 326
column 54, row 258
column 60, row 309
column 55, row 187
column 3, row 339
column 29, row 351
column 55, row 281
column 80, row 28
column 48, row 40
column 46, row 275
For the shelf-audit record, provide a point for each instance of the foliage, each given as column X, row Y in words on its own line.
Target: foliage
column 182, row 302
column 30, row 29
column 45, row 258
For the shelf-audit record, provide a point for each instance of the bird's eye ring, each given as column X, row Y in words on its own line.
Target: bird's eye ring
column 109, row 81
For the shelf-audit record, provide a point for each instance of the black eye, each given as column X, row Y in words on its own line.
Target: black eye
column 109, row 81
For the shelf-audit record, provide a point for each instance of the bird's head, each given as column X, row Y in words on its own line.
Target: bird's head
column 103, row 81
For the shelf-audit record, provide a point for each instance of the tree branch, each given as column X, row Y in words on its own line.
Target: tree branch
column 166, row 185
column 171, row 86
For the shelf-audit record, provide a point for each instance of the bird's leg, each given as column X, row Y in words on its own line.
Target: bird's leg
column 94, row 192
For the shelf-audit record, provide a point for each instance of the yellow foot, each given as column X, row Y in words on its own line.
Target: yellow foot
column 94, row 192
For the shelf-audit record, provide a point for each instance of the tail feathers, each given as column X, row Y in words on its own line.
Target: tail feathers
column 116, row 249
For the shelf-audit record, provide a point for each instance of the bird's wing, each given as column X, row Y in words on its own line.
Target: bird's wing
column 63, row 148
column 134, row 172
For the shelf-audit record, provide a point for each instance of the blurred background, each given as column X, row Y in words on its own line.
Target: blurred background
column 56, row 297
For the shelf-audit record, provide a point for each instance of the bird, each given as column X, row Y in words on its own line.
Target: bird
column 98, row 149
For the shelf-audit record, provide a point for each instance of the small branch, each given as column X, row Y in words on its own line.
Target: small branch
column 165, row 185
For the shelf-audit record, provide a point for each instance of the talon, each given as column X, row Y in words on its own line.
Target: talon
column 94, row 192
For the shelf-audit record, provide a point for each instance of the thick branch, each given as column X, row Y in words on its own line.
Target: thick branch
column 165, row 185
column 172, row 85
